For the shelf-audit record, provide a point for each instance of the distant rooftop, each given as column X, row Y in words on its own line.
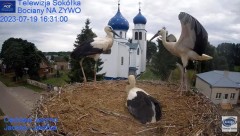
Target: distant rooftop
column 132, row 45
column 218, row 78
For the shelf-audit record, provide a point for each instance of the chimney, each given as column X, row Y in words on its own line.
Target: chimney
column 226, row 73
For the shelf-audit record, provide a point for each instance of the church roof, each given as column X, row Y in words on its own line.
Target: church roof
column 139, row 18
column 218, row 78
column 118, row 22
column 132, row 45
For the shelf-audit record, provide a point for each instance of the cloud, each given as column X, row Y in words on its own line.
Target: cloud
column 220, row 19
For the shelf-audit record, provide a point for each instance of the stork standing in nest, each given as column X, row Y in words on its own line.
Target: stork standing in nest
column 93, row 48
column 190, row 46
column 141, row 105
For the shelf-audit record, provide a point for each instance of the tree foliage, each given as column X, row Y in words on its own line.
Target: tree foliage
column 225, row 57
column 18, row 54
column 75, row 75
column 163, row 62
column 151, row 50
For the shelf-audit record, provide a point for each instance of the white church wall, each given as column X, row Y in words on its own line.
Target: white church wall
column 123, row 61
column 143, row 45
column 110, row 62
column 138, row 61
column 132, row 58
column 122, row 34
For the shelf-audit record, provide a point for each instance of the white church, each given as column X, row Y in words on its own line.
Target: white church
column 126, row 58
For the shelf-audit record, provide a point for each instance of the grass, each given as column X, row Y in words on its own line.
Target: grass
column 57, row 81
column 237, row 68
column 8, row 81
column 148, row 75
column 2, row 126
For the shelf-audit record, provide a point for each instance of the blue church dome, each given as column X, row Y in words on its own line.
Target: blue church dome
column 118, row 22
column 139, row 19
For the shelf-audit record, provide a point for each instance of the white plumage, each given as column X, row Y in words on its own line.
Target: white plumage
column 93, row 48
column 191, row 44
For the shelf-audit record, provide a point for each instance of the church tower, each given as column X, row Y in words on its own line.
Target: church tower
column 140, row 36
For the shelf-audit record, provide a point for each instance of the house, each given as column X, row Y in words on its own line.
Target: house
column 219, row 86
column 45, row 68
column 61, row 63
column 126, row 58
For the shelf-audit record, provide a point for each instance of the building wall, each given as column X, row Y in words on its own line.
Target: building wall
column 138, row 61
column 123, row 65
column 211, row 93
column 224, row 91
column 113, row 66
column 62, row 65
column 110, row 62
column 203, row 87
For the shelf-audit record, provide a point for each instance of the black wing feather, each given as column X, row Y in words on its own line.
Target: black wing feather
column 158, row 107
column 85, row 49
column 140, row 107
column 201, row 34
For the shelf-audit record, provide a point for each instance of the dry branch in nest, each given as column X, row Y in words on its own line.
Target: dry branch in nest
column 85, row 109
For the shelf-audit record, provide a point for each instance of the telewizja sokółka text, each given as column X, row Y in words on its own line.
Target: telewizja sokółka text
column 48, row 6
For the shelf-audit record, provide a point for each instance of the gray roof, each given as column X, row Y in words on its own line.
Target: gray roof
column 221, row 78
column 132, row 45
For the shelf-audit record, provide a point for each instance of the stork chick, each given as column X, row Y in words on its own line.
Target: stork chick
column 93, row 48
column 191, row 44
column 141, row 105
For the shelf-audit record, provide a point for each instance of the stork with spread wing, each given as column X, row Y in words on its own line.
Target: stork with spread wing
column 191, row 44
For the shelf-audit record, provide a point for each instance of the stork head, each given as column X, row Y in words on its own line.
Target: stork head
column 110, row 29
column 159, row 33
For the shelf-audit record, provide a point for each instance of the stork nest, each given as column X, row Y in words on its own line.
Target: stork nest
column 99, row 109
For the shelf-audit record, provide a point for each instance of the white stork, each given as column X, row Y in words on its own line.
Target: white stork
column 141, row 105
column 93, row 48
column 191, row 44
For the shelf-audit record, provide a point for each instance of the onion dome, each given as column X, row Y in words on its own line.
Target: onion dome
column 118, row 22
column 139, row 18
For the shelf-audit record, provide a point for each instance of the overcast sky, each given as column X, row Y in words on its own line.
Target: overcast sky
column 221, row 19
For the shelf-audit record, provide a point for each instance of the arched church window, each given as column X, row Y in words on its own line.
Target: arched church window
column 138, row 51
column 140, row 35
column 136, row 35
column 122, row 60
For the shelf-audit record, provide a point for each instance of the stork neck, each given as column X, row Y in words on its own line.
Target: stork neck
column 109, row 35
column 132, row 84
column 129, row 87
column 164, row 38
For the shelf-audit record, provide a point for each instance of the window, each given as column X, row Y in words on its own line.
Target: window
column 140, row 35
column 122, row 60
column 136, row 35
column 226, row 96
column 232, row 96
column 138, row 51
column 120, row 34
column 218, row 95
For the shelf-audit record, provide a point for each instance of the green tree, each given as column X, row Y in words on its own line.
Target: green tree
column 75, row 75
column 151, row 50
column 163, row 62
column 18, row 54
column 231, row 52
column 205, row 66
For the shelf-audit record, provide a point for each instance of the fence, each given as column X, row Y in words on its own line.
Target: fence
column 38, row 84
